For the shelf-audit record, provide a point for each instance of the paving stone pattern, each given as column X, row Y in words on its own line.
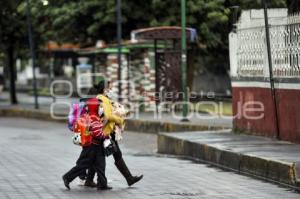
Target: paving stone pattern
column 35, row 154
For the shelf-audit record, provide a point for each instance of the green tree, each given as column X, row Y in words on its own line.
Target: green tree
column 12, row 36
column 87, row 21
column 90, row 20
column 293, row 5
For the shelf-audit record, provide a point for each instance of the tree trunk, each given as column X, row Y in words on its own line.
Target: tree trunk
column 12, row 74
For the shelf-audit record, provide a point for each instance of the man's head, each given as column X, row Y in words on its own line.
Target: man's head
column 101, row 86
column 93, row 91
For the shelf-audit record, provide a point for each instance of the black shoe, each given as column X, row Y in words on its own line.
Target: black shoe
column 104, row 188
column 134, row 179
column 121, row 165
column 66, row 183
column 89, row 183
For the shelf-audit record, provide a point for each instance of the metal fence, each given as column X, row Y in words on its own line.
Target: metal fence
column 251, row 49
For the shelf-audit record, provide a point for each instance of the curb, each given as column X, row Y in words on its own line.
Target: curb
column 155, row 126
column 270, row 170
column 131, row 124
column 24, row 113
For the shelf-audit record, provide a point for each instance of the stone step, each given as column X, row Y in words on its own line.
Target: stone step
column 261, row 157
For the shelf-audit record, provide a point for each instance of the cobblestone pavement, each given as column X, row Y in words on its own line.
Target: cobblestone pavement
column 35, row 154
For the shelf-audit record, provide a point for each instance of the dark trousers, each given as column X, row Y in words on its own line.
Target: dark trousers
column 117, row 156
column 90, row 157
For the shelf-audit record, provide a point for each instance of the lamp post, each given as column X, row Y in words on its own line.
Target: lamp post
column 183, row 61
column 31, row 44
column 273, row 92
column 119, row 38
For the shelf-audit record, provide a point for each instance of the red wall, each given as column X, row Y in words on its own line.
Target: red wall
column 288, row 103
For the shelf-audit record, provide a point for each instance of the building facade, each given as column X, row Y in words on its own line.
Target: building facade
column 277, row 117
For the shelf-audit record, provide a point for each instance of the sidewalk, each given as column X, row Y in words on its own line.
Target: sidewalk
column 143, row 121
column 262, row 157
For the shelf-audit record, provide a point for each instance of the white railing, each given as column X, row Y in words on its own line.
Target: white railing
column 251, row 52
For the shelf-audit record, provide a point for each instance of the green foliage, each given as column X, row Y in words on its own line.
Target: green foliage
column 293, row 5
column 12, row 24
column 85, row 21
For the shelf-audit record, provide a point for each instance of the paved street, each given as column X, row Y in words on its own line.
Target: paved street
column 35, row 154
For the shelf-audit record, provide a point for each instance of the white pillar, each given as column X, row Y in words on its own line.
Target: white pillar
column 233, row 47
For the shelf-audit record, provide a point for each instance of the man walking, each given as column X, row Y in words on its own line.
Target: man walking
column 103, row 89
column 93, row 153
